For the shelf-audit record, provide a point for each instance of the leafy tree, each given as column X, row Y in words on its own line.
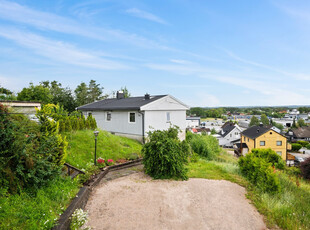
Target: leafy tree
column 35, row 93
column 6, row 94
column 301, row 122
column 254, row 121
column 125, row 91
column 279, row 126
column 264, row 119
column 60, row 95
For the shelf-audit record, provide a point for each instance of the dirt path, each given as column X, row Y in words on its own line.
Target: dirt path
column 136, row 201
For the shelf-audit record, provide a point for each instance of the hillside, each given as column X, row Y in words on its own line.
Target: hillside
column 81, row 148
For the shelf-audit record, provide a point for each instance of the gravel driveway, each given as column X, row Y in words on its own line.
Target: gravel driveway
column 138, row 202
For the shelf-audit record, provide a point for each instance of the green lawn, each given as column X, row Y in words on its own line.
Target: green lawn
column 289, row 209
column 81, row 148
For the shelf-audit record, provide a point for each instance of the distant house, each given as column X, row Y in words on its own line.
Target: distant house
column 192, row 122
column 229, row 133
column 134, row 117
column 299, row 134
column 23, row 107
column 264, row 137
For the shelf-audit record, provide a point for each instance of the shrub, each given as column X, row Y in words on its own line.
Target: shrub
column 305, row 169
column 296, row 147
column 165, row 155
column 68, row 125
column 269, row 156
column 205, row 146
column 194, row 157
column 308, row 146
column 303, row 143
column 260, row 173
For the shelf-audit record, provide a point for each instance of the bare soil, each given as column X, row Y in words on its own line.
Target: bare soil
column 138, row 202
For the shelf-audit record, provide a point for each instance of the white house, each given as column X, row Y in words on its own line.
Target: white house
column 192, row 122
column 134, row 117
column 229, row 134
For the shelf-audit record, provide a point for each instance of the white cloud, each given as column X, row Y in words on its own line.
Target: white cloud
column 57, row 50
column 145, row 15
column 47, row 21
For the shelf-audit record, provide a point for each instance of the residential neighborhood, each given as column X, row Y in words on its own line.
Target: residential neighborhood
column 154, row 115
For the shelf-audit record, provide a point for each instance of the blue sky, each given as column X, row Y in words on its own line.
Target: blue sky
column 205, row 53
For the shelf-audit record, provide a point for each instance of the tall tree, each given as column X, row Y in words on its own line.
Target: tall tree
column 81, row 94
column 61, row 96
column 254, row 121
column 294, row 124
column 86, row 94
column 264, row 119
column 35, row 93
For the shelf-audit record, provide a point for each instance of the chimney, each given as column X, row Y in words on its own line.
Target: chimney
column 257, row 130
column 147, row 96
column 261, row 124
column 120, row 95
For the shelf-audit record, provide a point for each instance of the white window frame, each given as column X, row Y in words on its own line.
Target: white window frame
column 132, row 122
column 279, row 153
column 260, row 143
column 168, row 116
column 107, row 113
column 278, row 144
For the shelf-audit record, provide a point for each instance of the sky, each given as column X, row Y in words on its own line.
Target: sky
column 204, row 52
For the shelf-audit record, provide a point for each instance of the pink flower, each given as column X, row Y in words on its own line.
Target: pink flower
column 100, row 161
column 110, row 161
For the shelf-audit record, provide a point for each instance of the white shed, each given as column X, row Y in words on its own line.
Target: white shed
column 134, row 117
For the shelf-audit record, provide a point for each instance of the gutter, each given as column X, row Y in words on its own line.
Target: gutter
column 143, row 136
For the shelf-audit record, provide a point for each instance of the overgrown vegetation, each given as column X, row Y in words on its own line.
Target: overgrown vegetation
column 296, row 147
column 256, row 167
column 204, row 145
column 165, row 155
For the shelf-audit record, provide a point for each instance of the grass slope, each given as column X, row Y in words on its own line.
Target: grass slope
column 40, row 210
column 81, row 147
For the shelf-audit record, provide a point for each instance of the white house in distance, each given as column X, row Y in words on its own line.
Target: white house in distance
column 192, row 122
column 134, row 117
column 229, row 134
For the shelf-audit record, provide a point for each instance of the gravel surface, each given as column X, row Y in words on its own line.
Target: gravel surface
column 138, row 202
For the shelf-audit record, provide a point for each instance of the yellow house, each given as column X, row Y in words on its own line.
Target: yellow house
column 264, row 137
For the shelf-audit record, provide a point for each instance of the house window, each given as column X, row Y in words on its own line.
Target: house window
column 279, row 143
column 230, row 135
column 90, row 114
column 262, row 143
column 244, row 138
column 168, row 116
column 132, row 117
column 109, row 116
column 279, row 153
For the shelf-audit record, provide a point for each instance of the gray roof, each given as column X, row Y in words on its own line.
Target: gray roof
column 256, row 131
column 130, row 103
column 227, row 128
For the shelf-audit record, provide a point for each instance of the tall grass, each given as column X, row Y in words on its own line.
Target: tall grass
column 81, row 147
column 40, row 210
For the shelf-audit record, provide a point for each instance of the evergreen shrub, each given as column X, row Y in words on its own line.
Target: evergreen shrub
column 305, row 169
column 165, row 156
column 296, row 147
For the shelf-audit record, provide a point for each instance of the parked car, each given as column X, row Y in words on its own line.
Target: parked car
column 298, row 160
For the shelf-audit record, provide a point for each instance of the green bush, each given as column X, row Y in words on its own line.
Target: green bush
column 205, row 146
column 68, row 125
column 260, row 173
column 269, row 156
column 303, row 143
column 165, row 155
column 296, row 147
column 308, row 146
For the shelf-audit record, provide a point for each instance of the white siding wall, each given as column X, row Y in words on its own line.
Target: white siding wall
column 158, row 121
column 192, row 123
column 119, row 122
